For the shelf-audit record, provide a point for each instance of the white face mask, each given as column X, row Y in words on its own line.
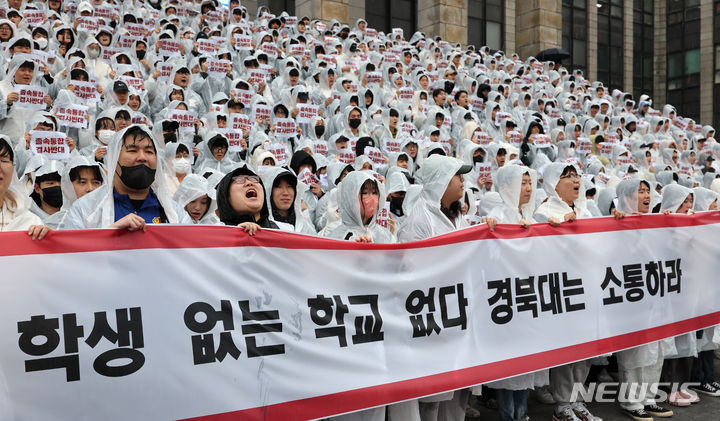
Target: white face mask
column 93, row 52
column 105, row 136
column 181, row 165
column 571, row 152
column 377, row 118
column 42, row 43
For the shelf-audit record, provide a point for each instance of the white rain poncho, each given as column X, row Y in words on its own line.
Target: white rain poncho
column 14, row 120
column 175, row 166
column 427, row 219
column 509, row 186
column 704, row 198
column 299, row 220
column 555, row 207
column 207, row 161
column 351, row 225
column 68, row 189
column 15, row 212
column 673, row 195
column 192, row 188
column 49, row 167
column 685, row 345
column 97, row 210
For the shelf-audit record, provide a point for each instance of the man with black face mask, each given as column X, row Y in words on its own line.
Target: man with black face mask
column 47, row 194
column 135, row 202
column 169, row 131
column 137, row 195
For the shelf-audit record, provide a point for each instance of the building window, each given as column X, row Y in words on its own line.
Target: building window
column 683, row 56
column 574, row 33
column 486, row 23
column 643, row 47
column 278, row 6
column 610, row 43
column 384, row 15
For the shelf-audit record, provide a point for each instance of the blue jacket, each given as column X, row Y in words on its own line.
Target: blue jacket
column 150, row 211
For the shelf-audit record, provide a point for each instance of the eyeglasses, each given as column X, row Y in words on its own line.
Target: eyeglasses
column 219, row 149
column 241, row 179
column 572, row 176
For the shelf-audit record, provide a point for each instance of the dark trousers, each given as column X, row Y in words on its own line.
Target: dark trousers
column 703, row 370
column 676, row 370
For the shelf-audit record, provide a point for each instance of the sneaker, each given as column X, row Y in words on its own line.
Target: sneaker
column 658, row 411
column 582, row 412
column 691, row 397
column 707, row 389
column 716, row 385
column 638, row 415
column 677, row 399
column 543, row 395
column 566, row 414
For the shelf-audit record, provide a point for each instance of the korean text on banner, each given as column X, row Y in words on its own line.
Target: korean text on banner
column 291, row 327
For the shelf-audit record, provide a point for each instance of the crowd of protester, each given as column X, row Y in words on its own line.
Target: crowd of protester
column 198, row 113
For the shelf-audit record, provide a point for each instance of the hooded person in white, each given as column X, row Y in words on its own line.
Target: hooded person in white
column 359, row 206
column 194, row 195
column 705, row 199
column 128, row 156
column 566, row 196
column 76, row 181
column 442, row 188
column 15, row 212
column 13, row 119
column 327, row 214
column 518, row 195
column 397, row 186
column 677, row 366
column 566, row 202
column 357, row 120
column 437, row 212
column 177, row 164
column 642, row 364
column 210, row 155
column 516, row 186
column 95, row 64
column 281, row 188
column 47, row 200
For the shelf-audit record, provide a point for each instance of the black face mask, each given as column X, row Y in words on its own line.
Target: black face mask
column 319, row 130
column 140, row 54
column 137, row 177
column 478, row 158
column 52, row 196
column 396, row 205
column 354, row 123
column 170, row 137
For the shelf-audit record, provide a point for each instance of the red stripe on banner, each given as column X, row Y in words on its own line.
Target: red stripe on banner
column 352, row 400
column 179, row 236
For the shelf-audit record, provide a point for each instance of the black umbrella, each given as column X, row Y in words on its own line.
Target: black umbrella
column 552, row 54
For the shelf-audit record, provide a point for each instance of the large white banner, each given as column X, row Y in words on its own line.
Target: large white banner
column 208, row 323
